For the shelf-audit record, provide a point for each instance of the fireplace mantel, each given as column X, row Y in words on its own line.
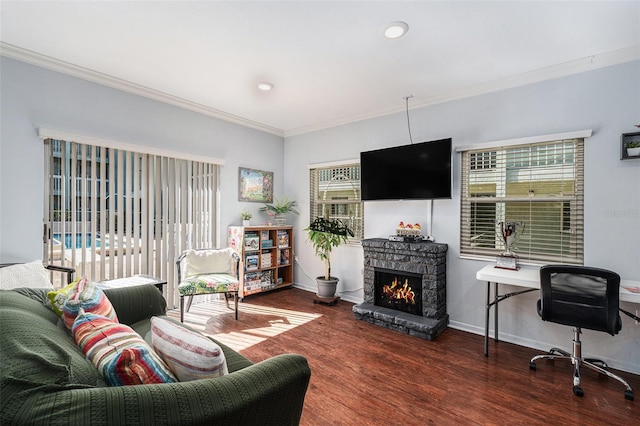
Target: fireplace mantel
column 424, row 258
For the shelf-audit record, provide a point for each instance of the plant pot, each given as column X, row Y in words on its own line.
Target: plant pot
column 246, row 223
column 280, row 219
column 633, row 152
column 327, row 288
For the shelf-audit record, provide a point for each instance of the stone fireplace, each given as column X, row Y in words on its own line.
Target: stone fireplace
column 405, row 287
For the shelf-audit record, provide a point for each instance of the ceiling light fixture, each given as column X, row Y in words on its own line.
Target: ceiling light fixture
column 396, row 30
column 265, row 86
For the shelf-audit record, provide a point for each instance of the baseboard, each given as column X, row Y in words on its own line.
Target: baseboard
column 540, row 347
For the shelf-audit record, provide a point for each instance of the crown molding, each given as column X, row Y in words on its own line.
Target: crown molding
column 580, row 65
column 589, row 63
column 48, row 62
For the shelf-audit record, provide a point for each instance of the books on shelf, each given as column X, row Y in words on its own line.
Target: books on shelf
column 267, row 243
column 283, row 239
column 251, row 241
column 265, row 259
column 251, row 262
column 283, row 257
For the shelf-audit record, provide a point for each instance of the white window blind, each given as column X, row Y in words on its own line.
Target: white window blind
column 540, row 184
column 335, row 194
column 113, row 213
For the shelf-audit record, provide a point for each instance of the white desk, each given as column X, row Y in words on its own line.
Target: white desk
column 529, row 278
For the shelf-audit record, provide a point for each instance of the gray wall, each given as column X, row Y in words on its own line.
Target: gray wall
column 33, row 97
column 605, row 100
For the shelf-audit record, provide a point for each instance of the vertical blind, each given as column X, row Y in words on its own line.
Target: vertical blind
column 539, row 184
column 112, row 213
column 335, row 194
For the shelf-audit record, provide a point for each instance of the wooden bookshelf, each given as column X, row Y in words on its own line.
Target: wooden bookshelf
column 266, row 257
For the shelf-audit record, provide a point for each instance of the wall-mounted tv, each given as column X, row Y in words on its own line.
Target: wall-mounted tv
column 420, row 171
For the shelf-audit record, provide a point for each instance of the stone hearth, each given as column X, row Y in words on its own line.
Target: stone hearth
column 424, row 258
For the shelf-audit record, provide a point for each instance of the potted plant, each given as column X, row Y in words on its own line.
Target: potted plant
column 279, row 209
column 246, row 217
column 325, row 235
column 633, row 148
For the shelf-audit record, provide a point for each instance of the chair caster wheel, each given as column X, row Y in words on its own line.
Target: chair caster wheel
column 628, row 394
column 532, row 366
column 577, row 391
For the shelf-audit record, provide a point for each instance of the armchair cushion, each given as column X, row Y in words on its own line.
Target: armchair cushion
column 209, row 283
column 31, row 275
column 201, row 262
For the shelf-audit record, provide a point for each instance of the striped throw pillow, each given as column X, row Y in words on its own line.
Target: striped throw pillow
column 190, row 355
column 87, row 296
column 118, row 352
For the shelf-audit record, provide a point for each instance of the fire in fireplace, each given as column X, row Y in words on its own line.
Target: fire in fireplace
column 401, row 291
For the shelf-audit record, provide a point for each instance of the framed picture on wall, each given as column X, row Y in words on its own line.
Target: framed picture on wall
column 255, row 185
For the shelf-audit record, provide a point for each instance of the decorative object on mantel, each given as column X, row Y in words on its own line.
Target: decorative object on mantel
column 630, row 146
column 325, row 235
column 407, row 232
column 278, row 210
column 246, row 217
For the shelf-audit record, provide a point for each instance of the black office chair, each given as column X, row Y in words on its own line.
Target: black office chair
column 581, row 297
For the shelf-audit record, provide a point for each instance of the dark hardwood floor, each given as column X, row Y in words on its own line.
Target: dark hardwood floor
column 363, row 374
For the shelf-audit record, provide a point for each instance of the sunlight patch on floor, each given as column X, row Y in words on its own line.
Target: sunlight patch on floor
column 262, row 322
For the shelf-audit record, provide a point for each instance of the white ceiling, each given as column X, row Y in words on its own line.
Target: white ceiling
column 328, row 60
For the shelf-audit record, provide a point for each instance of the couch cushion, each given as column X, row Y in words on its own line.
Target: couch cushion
column 199, row 262
column 118, row 352
column 31, row 275
column 190, row 355
column 209, row 283
column 87, row 296
column 36, row 351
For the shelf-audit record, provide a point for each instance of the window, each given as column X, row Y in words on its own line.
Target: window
column 335, row 194
column 113, row 213
column 540, row 184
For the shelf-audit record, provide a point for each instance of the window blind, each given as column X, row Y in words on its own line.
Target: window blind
column 335, row 194
column 540, row 184
column 113, row 213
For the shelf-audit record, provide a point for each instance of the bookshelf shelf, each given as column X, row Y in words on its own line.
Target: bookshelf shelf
column 266, row 254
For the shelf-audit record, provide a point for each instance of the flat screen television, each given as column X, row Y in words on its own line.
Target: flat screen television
column 420, row 171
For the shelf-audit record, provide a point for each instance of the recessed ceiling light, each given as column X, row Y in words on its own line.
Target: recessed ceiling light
column 265, row 86
column 396, row 30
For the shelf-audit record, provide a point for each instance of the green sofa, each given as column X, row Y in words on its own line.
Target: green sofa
column 46, row 380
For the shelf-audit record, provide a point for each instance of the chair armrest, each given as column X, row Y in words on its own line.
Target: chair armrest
column 268, row 393
column 136, row 303
column 69, row 271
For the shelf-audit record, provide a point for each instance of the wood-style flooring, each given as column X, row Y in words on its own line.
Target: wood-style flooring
column 363, row 374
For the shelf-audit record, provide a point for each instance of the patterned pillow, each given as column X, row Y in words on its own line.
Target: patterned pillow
column 210, row 283
column 190, row 355
column 56, row 298
column 118, row 352
column 90, row 298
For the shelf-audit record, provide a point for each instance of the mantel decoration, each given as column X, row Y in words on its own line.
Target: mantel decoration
column 630, row 146
column 278, row 210
column 325, row 235
column 255, row 185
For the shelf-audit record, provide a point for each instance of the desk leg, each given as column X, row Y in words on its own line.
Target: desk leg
column 495, row 313
column 486, row 320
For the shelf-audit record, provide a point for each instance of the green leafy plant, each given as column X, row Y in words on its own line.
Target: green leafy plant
column 245, row 215
column 325, row 235
column 633, row 144
column 280, row 206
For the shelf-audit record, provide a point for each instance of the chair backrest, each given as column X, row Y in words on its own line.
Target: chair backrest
column 580, row 296
column 207, row 261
